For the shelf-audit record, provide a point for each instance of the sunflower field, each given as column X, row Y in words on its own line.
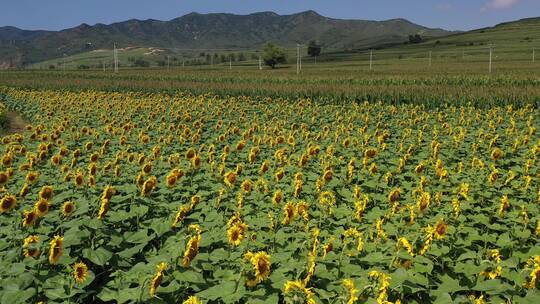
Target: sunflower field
column 134, row 197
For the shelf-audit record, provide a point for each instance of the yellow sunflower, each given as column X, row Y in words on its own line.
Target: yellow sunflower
column 46, row 193
column 80, row 272
column 29, row 218
column 42, row 207
column 68, row 208
column 55, row 251
column 29, row 246
column 261, row 265
column 7, row 203
column 192, row 300
column 158, row 277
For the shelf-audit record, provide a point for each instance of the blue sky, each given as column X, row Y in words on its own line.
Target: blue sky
column 448, row 14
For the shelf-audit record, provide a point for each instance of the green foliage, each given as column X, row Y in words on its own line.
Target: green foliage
column 123, row 248
column 273, row 55
column 314, row 48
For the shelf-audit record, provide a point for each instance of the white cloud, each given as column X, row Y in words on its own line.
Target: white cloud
column 499, row 5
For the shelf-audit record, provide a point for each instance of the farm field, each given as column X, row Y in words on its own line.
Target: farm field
column 162, row 189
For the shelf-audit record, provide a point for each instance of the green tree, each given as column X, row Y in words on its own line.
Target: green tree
column 314, row 49
column 273, row 55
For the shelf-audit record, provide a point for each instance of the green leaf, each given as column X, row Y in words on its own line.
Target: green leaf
column 99, row 256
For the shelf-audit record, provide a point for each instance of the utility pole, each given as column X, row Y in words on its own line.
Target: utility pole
column 300, row 56
column 534, row 50
column 260, row 62
column 230, row 62
column 115, row 59
column 430, row 58
column 183, row 62
column 490, row 57
column 297, row 59
column 371, row 60
column 167, row 62
column 211, row 60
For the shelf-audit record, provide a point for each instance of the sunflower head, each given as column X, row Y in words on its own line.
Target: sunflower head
column 289, row 213
column 7, row 203
column 42, row 207
column 3, row 178
column 29, row 218
column 55, row 250
column 192, row 300
column 261, row 263
column 46, row 193
column 80, row 272
column 440, row 229
column 230, row 178
column 29, row 246
column 235, row 234
column 394, row 195
column 246, row 186
column 68, row 208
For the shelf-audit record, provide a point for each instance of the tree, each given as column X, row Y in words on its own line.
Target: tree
column 314, row 49
column 273, row 55
column 415, row 38
column 241, row 57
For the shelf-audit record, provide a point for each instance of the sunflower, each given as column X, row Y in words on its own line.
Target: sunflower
column 327, row 199
column 103, row 208
column 195, row 200
column 261, row 265
column 192, row 300
column 327, row 176
column 41, row 207
column 289, row 213
column 277, row 198
column 351, row 288
column 29, row 248
column 230, row 178
column 55, row 251
column 299, row 287
column 46, row 193
column 29, row 218
column 394, row 195
column 196, row 162
column 236, row 233
column 68, row 208
column 496, row 154
column 423, row 201
column 279, row 175
column 3, row 178
column 80, row 272
column 303, row 210
column 192, row 248
column 108, row 193
column 158, row 277
column 246, row 186
column 440, row 229
column 148, row 186
column 171, row 180
column 180, row 215
column 370, row 153
column 7, row 203
column 79, row 179
column 264, row 167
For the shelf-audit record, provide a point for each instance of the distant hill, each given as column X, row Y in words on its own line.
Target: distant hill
column 509, row 37
column 206, row 31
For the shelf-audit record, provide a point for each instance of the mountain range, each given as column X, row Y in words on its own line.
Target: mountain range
column 206, row 31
